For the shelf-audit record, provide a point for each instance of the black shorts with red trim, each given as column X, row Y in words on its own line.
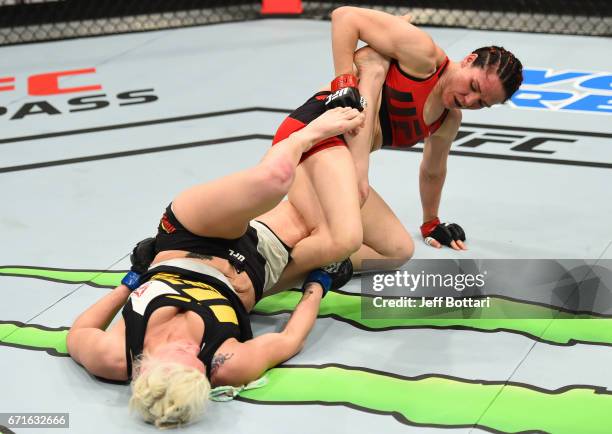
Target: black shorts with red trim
column 302, row 116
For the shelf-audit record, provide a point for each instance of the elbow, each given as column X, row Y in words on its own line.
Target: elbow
column 340, row 13
column 293, row 344
column 342, row 18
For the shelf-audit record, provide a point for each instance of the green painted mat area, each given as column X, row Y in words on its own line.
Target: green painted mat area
column 441, row 401
column 524, row 318
column 102, row 278
column 428, row 401
column 437, row 401
column 34, row 337
column 566, row 329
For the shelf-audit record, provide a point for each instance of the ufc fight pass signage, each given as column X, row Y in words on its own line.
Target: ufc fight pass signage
column 52, row 93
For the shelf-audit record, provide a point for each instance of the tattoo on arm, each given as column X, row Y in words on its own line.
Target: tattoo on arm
column 308, row 291
column 218, row 361
column 198, row 256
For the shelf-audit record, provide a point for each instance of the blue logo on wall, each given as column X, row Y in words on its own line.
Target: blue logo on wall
column 567, row 90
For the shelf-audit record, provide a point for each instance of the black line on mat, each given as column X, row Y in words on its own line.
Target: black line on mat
column 270, row 110
column 142, row 124
column 515, row 158
column 132, row 153
column 267, row 137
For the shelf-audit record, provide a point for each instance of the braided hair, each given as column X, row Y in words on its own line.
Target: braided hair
column 509, row 69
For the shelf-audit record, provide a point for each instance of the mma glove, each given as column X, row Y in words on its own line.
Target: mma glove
column 333, row 276
column 141, row 257
column 344, row 93
column 444, row 233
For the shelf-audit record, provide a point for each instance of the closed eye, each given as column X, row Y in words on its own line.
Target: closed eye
column 476, row 88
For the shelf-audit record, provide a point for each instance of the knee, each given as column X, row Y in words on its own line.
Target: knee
column 339, row 245
column 277, row 176
column 405, row 250
column 402, row 249
column 399, row 250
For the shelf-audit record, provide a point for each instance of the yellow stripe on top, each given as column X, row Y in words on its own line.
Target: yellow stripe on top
column 199, row 291
column 178, row 297
column 224, row 313
column 200, row 294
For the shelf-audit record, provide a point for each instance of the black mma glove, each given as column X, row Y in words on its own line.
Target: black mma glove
column 141, row 257
column 333, row 276
column 444, row 233
column 340, row 272
column 345, row 93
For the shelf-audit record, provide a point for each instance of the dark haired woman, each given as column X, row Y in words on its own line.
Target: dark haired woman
column 414, row 92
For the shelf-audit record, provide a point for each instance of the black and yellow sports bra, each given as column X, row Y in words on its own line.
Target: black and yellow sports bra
column 219, row 307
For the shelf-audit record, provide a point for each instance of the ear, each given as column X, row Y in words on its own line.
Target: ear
column 469, row 59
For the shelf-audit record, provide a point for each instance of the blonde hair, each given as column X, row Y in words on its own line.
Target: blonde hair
column 168, row 394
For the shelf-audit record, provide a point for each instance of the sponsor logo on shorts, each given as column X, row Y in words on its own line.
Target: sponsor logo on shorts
column 166, row 225
column 238, row 256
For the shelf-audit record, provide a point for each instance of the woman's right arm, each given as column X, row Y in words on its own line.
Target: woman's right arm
column 390, row 35
column 100, row 352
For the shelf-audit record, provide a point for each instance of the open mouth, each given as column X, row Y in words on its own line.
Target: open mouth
column 457, row 104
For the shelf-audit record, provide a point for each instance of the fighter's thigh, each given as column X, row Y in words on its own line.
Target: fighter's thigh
column 223, row 207
column 383, row 231
column 332, row 174
column 303, row 197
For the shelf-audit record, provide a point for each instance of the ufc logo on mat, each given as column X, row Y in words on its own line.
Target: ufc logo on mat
column 48, row 83
column 52, row 85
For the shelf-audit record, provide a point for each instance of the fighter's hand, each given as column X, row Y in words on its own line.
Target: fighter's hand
column 344, row 93
column 437, row 234
column 335, row 122
column 141, row 257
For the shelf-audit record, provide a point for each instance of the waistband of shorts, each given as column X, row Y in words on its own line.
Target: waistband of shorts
column 196, row 267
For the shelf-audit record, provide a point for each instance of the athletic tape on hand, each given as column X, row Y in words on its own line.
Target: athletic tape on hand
column 363, row 102
column 429, row 241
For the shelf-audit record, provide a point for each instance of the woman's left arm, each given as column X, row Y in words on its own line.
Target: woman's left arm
column 101, row 353
column 249, row 360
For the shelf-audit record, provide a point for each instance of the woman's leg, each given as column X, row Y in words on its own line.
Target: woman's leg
column 325, row 194
column 223, row 207
column 334, row 185
column 384, row 237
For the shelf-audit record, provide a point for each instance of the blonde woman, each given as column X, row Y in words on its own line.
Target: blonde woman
column 185, row 324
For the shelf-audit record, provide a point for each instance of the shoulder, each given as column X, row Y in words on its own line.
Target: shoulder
column 423, row 58
column 229, row 364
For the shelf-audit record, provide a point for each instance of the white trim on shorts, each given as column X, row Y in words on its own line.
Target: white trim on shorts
column 274, row 252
